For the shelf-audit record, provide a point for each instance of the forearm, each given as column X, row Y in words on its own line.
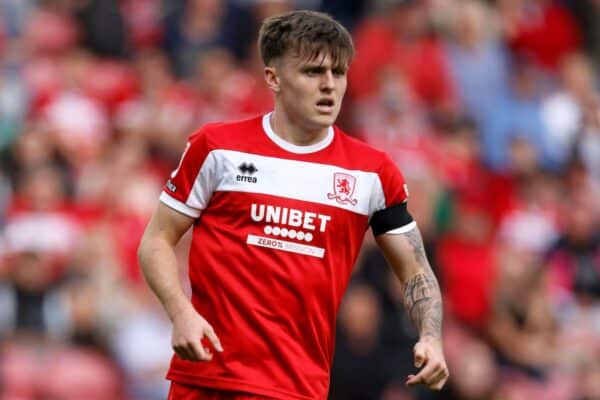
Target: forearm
column 422, row 299
column 421, row 293
column 159, row 267
column 423, row 303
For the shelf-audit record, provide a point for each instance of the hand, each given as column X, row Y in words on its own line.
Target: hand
column 430, row 356
column 189, row 328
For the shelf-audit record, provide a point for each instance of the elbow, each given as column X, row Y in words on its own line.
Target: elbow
column 142, row 249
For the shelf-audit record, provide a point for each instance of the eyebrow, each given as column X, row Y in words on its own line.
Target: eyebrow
column 318, row 67
column 315, row 65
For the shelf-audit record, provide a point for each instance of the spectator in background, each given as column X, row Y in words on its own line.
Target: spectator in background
column 521, row 327
column 33, row 370
column 117, row 190
column 14, row 99
column 465, row 177
column 397, row 38
column 541, row 29
column 587, row 13
column 359, row 344
column 516, row 116
column 219, row 84
column 51, row 29
column 563, row 111
column 467, row 266
column 392, row 119
column 143, row 361
column 574, row 260
column 388, row 332
column 477, row 59
column 15, row 14
column 142, row 20
column 29, row 297
column 474, row 363
column 79, row 123
column 94, row 17
column 41, row 217
column 162, row 110
column 530, row 222
column 191, row 32
column 587, row 146
column 459, row 160
column 224, row 90
column 348, row 12
column 590, row 380
column 32, row 148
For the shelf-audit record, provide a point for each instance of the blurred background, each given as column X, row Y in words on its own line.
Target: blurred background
column 490, row 108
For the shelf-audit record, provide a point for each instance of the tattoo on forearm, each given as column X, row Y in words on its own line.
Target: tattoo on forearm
column 414, row 238
column 422, row 297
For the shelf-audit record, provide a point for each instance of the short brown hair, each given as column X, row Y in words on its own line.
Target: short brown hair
column 308, row 34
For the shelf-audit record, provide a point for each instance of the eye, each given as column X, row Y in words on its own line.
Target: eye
column 312, row 71
column 339, row 71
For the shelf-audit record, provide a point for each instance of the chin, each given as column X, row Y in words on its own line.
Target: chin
column 324, row 120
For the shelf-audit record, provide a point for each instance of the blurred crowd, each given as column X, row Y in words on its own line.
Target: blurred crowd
column 490, row 108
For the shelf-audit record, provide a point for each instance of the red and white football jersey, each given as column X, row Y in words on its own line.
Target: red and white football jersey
column 278, row 230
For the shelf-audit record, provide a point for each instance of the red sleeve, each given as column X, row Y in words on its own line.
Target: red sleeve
column 392, row 181
column 190, row 185
column 391, row 214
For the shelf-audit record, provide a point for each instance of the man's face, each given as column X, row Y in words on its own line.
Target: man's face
column 310, row 92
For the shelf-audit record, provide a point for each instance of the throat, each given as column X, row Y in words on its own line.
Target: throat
column 294, row 133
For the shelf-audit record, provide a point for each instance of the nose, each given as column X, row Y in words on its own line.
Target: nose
column 327, row 81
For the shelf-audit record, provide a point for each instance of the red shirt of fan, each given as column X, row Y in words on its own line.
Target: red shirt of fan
column 278, row 230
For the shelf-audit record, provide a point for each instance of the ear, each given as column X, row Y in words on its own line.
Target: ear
column 272, row 78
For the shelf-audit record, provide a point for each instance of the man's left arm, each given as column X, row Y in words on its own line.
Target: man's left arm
column 422, row 299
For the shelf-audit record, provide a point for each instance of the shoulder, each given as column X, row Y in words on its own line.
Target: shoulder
column 362, row 155
column 228, row 135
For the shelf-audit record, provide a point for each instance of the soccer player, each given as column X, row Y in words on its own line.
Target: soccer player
column 279, row 205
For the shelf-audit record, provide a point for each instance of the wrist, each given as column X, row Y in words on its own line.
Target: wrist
column 177, row 306
column 430, row 338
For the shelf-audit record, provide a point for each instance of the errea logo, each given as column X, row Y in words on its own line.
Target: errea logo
column 247, row 170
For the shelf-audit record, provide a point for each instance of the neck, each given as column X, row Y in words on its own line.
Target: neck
column 292, row 132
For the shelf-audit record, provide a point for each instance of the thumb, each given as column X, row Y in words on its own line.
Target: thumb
column 419, row 352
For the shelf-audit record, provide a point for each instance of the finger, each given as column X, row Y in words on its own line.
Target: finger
column 199, row 353
column 214, row 339
column 439, row 385
column 437, row 382
column 181, row 352
column 438, row 373
column 423, row 376
column 420, row 355
column 412, row 380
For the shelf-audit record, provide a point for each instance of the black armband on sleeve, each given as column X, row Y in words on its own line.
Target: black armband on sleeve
column 390, row 218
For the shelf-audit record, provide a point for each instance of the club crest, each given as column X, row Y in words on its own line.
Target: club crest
column 343, row 188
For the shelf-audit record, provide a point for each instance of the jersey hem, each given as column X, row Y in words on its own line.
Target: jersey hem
column 233, row 385
column 178, row 205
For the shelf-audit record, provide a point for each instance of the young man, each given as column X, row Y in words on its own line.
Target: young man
column 279, row 206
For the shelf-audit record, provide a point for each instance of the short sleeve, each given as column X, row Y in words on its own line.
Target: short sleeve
column 389, row 213
column 192, row 183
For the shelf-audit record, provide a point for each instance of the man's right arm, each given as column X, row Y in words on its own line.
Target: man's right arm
column 159, row 265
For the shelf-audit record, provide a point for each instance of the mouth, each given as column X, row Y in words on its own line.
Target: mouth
column 325, row 105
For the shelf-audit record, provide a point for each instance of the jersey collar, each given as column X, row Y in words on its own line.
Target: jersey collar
column 293, row 148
